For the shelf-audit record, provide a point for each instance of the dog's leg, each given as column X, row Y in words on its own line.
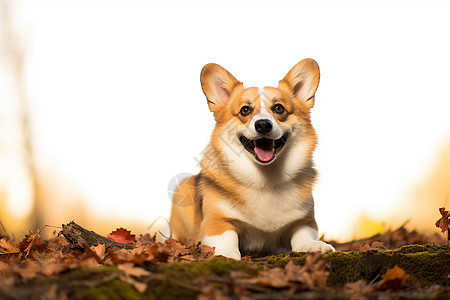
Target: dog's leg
column 221, row 235
column 305, row 239
column 186, row 212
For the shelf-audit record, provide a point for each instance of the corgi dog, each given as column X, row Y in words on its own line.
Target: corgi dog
column 253, row 195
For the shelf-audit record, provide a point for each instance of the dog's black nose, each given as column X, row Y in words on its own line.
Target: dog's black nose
column 263, row 126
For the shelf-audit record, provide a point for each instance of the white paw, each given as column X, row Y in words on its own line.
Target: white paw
column 314, row 246
column 225, row 244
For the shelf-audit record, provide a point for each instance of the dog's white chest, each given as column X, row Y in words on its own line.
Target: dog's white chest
column 267, row 210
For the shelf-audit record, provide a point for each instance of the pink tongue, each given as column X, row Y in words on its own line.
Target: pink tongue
column 264, row 149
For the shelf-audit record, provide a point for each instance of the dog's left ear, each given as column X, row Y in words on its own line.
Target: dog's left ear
column 217, row 84
column 303, row 80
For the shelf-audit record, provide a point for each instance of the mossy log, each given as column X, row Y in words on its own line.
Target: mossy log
column 428, row 265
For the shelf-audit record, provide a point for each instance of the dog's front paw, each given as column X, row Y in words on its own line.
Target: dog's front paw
column 225, row 244
column 314, row 246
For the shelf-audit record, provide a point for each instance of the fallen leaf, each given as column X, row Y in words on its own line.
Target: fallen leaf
column 210, row 292
column 271, row 277
column 6, row 280
column 91, row 253
column 90, row 263
column 53, row 293
column 32, row 240
column 130, row 269
column 139, row 286
column 316, row 272
column 442, row 223
column 58, row 242
column 121, row 235
column 99, row 250
column 393, row 279
column 178, row 247
column 292, row 278
column 373, row 247
column 29, row 270
column 396, row 273
column 207, row 249
column 8, row 250
column 357, row 289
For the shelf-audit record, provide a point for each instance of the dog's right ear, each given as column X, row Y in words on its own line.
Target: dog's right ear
column 217, row 85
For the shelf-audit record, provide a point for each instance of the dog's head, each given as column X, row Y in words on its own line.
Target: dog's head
column 257, row 127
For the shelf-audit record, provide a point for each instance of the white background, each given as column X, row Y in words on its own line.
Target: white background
column 118, row 108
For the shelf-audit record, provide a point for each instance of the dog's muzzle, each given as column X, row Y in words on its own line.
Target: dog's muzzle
column 264, row 149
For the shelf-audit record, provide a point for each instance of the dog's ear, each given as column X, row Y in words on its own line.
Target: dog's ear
column 217, row 84
column 303, row 80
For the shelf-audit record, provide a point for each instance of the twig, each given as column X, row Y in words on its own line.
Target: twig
column 4, row 230
column 168, row 223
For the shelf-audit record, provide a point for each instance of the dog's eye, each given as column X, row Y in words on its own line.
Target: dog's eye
column 278, row 108
column 245, row 110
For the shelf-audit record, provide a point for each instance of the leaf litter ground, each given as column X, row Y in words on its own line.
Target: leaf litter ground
column 80, row 264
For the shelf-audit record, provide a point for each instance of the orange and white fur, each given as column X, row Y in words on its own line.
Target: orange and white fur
column 253, row 194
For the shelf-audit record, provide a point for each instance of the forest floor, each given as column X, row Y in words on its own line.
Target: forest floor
column 79, row 264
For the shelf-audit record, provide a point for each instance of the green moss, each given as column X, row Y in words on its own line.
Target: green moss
column 428, row 248
column 115, row 289
column 217, row 266
column 168, row 290
column 282, row 259
column 345, row 267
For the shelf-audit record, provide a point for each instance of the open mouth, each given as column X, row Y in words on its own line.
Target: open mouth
column 264, row 149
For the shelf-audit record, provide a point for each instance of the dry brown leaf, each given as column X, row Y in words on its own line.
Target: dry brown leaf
column 130, row 269
column 313, row 275
column 147, row 253
column 139, row 286
column 316, row 271
column 53, row 293
column 30, row 270
column 207, row 249
column 58, row 242
column 8, row 250
column 357, row 289
column 178, row 247
column 32, row 240
column 52, row 264
column 99, row 250
column 373, row 247
column 210, row 292
column 442, row 223
column 90, row 253
column 90, row 263
column 274, row 278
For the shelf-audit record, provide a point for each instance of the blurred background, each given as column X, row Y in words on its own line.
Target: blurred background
column 101, row 105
